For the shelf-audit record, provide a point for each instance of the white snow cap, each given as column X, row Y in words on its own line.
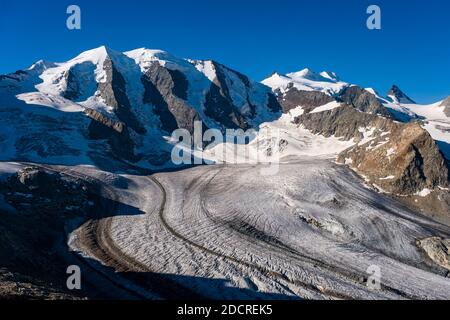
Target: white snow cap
column 307, row 80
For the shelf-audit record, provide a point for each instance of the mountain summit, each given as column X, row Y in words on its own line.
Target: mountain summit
column 130, row 100
column 398, row 96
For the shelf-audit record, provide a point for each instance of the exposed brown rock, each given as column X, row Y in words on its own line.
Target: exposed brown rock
column 405, row 160
column 364, row 101
column 343, row 122
column 437, row 249
column 97, row 116
column 435, row 205
column 401, row 159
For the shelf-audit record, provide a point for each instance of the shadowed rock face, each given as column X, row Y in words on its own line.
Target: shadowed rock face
column 273, row 104
column 78, row 79
column 73, row 87
column 113, row 91
column 180, row 84
column 221, row 78
column 364, row 101
column 220, row 108
column 166, row 91
column 399, row 95
column 117, row 134
column 160, row 107
column 219, row 104
column 446, row 104
column 307, row 99
column 33, row 262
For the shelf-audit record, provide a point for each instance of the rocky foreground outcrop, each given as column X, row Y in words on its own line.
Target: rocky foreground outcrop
column 32, row 232
column 437, row 249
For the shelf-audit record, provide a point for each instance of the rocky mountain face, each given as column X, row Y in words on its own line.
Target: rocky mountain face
column 363, row 100
column 344, row 121
column 397, row 157
column 293, row 98
column 132, row 99
column 166, row 91
column 437, row 249
column 41, row 204
column 397, row 95
column 402, row 160
column 104, row 106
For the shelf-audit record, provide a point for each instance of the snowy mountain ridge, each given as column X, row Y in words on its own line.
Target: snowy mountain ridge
column 307, row 80
column 127, row 104
column 132, row 100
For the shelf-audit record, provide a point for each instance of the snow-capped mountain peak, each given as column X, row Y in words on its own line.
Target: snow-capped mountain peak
column 308, row 74
column 145, row 58
column 398, row 96
column 306, row 80
column 88, row 64
column 304, row 74
column 329, row 75
column 41, row 65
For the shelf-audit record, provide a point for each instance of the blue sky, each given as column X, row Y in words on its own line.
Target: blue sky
column 255, row 37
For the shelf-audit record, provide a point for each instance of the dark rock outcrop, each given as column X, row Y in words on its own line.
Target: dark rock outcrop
column 273, row 104
column 115, row 132
column 437, row 249
column 114, row 93
column 31, row 255
column 166, row 91
column 344, row 122
column 219, row 104
column 226, row 111
column 309, row 100
column 363, row 100
column 222, row 110
column 399, row 95
column 78, row 79
column 73, row 89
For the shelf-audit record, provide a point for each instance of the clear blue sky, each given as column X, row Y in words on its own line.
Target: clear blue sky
column 255, row 37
